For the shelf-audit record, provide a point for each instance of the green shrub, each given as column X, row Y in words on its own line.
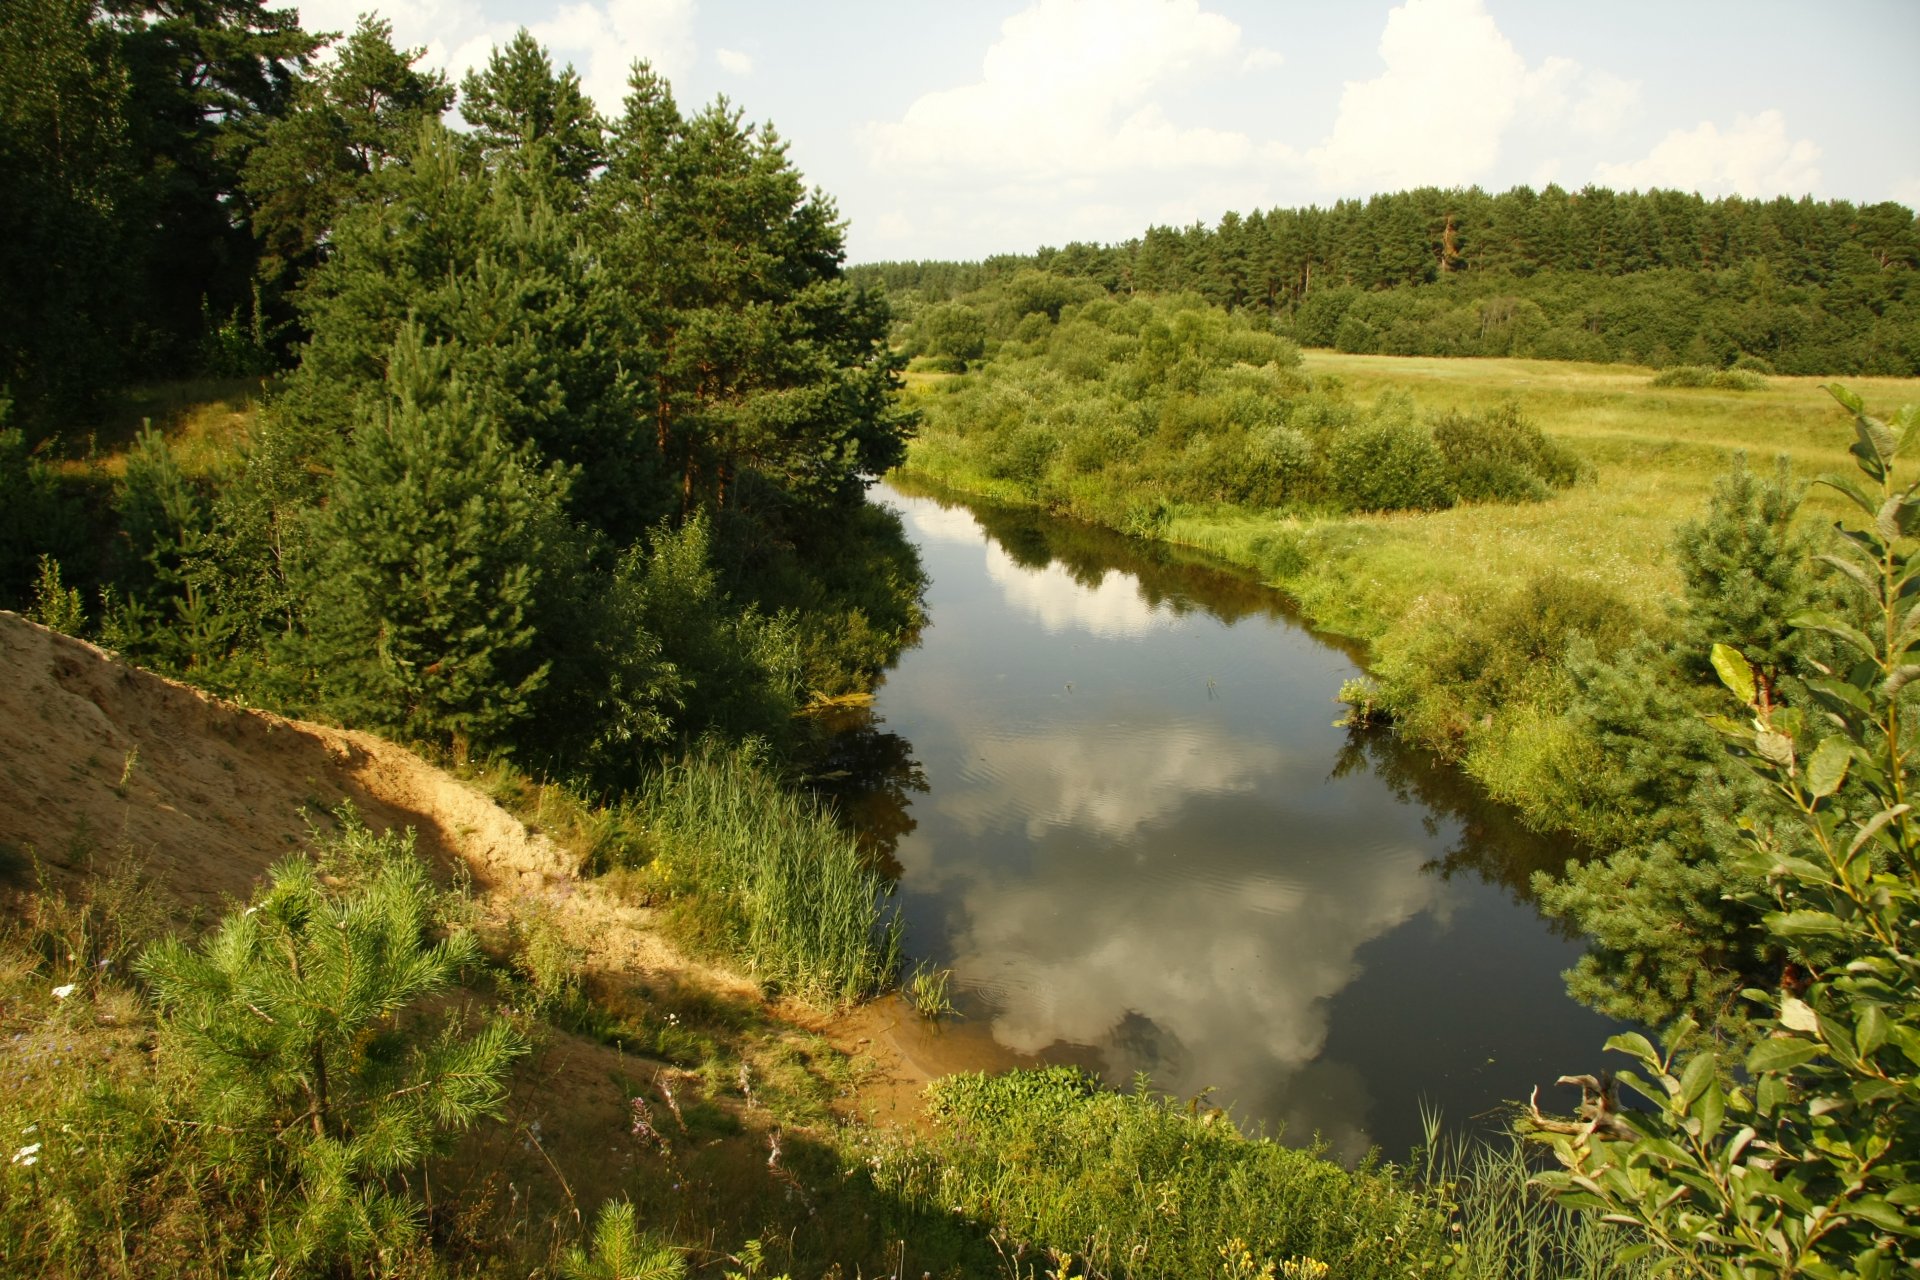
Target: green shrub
column 1499, row 456
column 1699, row 375
column 1389, row 466
column 301, row 1025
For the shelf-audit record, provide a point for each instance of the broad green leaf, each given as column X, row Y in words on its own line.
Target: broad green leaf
column 1850, row 401
column 1797, row 1015
column 1632, row 1042
column 1827, row 768
column 1780, row 1054
column 1867, row 582
column 1871, row 1031
column 1775, row 747
column 1695, row 1078
column 1735, row 672
column 1842, row 631
column 1847, row 486
column 1886, row 521
column 1841, row 693
column 1873, row 826
column 1880, row 1214
column 1900, row 677
column 1711, row 1109
column 1802, row 924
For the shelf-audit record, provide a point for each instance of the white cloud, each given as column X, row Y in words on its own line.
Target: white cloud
column 602, row 41
column 732, row 60
column 1436, row 115
column 1607, row 103
column 1068, row 90
column 1752, row 157
column 1906, row 192
column 1560, row 93
column 1262, row 60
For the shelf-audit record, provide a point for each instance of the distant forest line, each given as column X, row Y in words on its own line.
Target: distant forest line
column 1655, row 278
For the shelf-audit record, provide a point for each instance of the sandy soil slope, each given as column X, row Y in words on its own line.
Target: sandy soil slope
column 100, row 761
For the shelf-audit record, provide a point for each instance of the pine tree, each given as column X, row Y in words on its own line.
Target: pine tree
column 429, row 559
column 300, row 1022
column 518, row 105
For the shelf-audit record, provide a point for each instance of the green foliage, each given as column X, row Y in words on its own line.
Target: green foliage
column 351, row 117
column 299, row 1023
column 619, row 1250
column 1745, row 568
column 1593, row 275
column 55, row 604
column 1693, row 375
column 1390, row 465
column 428, row 564
column 517, row 105
column 772, row 878
column 1808, row 1165
column 1506, row 1227
column 1139, row 1185
column 1501, row 457
column 1112, row 401
column 1665, row 908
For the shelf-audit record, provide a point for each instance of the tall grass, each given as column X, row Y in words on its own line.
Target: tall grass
column 1505, row 1228
column 780, row 883
column 1135, row 1184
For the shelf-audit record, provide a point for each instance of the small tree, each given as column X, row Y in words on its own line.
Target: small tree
column 298, row 1025
column 429, row 560
column 621, row 1251
column 1810, row 1166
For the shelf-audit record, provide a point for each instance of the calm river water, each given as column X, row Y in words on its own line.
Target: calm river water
column 1121, row 815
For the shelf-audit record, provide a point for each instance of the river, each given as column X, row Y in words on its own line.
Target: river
column 1108, row 781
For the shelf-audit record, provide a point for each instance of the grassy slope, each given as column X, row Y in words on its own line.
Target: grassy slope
column 1655, row 453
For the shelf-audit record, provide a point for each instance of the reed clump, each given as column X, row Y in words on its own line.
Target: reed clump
column 766, row 876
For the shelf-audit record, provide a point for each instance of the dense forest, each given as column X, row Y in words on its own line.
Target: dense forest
column 1655, row 278
column 569, row 460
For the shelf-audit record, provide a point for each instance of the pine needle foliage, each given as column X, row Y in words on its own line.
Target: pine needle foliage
column 429, row 562
column 619, row 1250
column 300, row 1020
column 1807, row 1163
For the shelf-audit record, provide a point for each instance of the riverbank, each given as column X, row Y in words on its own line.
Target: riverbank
column 1401, row 583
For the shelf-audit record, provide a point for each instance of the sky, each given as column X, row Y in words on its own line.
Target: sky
column 963, row 128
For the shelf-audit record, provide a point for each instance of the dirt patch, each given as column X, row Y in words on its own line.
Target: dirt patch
column 101, row 761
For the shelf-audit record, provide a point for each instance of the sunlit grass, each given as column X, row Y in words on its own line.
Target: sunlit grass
column 206, row 422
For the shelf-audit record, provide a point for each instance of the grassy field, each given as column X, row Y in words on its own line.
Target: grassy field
column 1655, row 453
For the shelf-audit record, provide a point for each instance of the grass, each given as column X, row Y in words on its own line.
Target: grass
column 1136, row 1184
column 206, row 421
column 766, row 876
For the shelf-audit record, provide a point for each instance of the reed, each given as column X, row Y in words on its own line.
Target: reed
column 769, row 876
column 1506, row 1228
